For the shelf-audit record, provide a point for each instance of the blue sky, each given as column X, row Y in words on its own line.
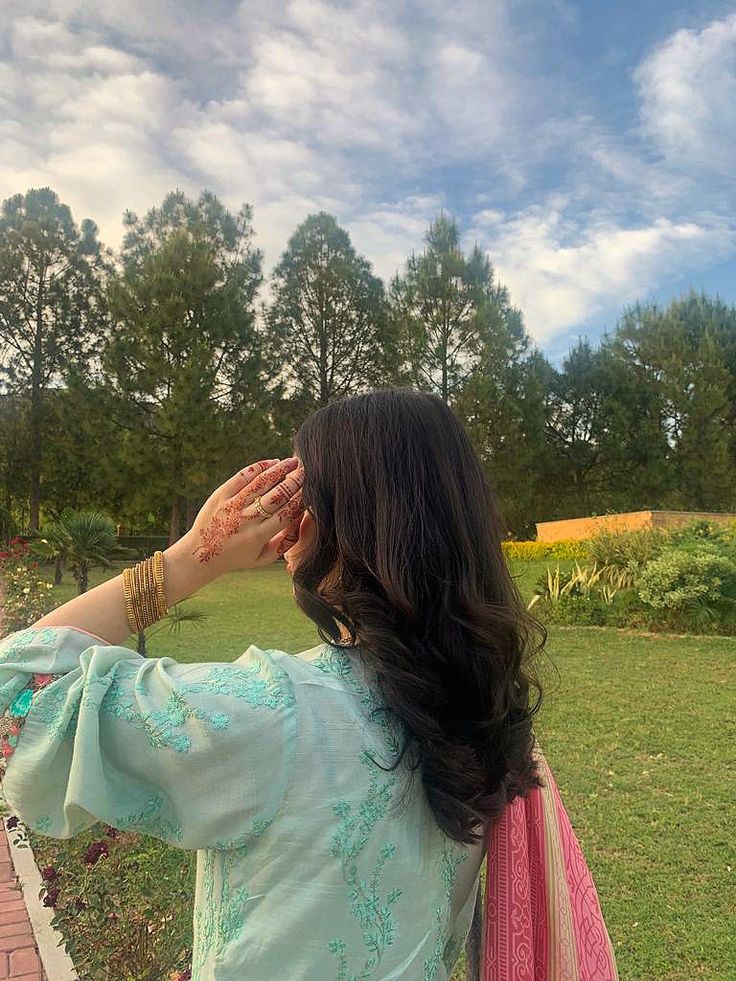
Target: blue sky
column 589, row 147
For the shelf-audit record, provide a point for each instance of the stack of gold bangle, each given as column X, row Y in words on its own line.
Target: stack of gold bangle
column 143, row 588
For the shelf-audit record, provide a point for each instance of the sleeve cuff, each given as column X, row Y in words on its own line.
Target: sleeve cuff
column 81, row 630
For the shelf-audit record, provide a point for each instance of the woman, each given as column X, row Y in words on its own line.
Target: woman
column 337, row 799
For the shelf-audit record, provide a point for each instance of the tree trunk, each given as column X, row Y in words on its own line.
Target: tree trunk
column 191, row 513
column 36, row 410
column 142, row 643
column 176, row 519
column 57, row 571
column 35, row 462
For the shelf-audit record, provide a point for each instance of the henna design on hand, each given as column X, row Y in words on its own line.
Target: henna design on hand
column 229, row 519
column 292, row 509
column 213, row 536
column 291, row 537
column 259, row 485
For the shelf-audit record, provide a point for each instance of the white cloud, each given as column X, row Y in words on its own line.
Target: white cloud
column 563, row 271
column 688, row 92
column 381, row 113
column 391, row 231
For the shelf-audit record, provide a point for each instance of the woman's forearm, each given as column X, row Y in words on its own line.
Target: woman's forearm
column 101, row 610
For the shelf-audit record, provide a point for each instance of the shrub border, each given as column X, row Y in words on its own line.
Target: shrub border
column 56, row 962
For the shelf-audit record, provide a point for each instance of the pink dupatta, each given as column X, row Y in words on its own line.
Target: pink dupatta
column 543, row 921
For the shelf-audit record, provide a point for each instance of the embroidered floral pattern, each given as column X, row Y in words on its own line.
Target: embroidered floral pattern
column 357, row 822
column 21, row 639
column 453, row 855
column 49, row 707
column 163, row 727
column 247, row 683
column 11, row 722
column 219, row 920
column 150, row 821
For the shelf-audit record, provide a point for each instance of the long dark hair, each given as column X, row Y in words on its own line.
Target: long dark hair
column 407, row 556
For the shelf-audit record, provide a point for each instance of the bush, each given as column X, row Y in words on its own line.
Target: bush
column 131, row 889
column 567, row 549
column 577, row 610
column 701, row 584
column 27, row 596
column 699, row 532
column 622, row 553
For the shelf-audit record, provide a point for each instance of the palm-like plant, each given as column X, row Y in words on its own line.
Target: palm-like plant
column 83, row 539
column 171, row 622
column 50, row 544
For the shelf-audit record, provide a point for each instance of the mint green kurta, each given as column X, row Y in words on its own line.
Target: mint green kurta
column 308, row 866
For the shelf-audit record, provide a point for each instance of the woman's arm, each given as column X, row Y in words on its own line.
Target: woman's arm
column 101, row 610
column 245, row 523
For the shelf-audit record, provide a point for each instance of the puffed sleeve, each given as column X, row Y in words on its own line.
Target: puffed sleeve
column 198, row 755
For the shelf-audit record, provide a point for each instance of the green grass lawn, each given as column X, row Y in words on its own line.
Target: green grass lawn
column 639, row 731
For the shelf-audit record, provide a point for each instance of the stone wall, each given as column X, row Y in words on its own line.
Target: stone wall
column 579, row 528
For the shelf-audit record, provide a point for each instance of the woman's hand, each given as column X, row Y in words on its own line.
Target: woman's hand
column 232, row 532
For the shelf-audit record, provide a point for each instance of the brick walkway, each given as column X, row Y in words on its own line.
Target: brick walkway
column 18, row 955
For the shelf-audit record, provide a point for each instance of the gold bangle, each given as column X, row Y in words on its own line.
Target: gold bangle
column 144, row 593
column 148, row 592
column 158, row 573
column 137, row 598
column 128, row 594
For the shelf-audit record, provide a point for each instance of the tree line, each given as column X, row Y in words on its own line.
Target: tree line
column 133, row 381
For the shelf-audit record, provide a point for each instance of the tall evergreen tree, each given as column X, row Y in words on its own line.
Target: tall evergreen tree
column 680, row 358
column 49, row 306
column 460, row 338
column 185, row 355
column 449, row 310
column 574, row 405
column 328, row 326
column 502, row 407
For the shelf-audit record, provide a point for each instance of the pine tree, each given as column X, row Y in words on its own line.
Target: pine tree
column 50, row 311
column 328, row 327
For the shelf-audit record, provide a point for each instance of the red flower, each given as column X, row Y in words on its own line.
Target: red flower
column 95, row 851
column 4, row 555
column 52, row 894
column 49, row 873
column 13, row 821
column 111, row 832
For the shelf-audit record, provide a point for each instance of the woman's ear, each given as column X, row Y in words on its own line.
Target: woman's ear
column 307, row 531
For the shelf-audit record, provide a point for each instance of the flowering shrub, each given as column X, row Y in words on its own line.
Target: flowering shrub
column 567, row 549
column 26, row 594
column 697, row 586
column 132, row 890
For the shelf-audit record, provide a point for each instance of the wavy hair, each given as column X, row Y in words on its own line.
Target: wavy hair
column 407, row 558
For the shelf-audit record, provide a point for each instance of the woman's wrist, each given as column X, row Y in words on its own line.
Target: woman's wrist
column 101, row 610
column 184, row 573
